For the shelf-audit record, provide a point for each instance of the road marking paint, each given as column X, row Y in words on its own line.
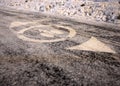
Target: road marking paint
column 17, row 24
column 39, row 41
column 93, row 44
column 72, row 32
column 47, row 35
column 55, row 31
column 43, row 32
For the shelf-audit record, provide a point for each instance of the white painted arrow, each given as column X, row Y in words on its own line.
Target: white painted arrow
column 93, row 44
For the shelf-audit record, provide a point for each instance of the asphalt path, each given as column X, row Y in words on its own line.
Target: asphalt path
column 44, row 50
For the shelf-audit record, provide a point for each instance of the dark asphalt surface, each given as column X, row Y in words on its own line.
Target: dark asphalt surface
column 28, row 63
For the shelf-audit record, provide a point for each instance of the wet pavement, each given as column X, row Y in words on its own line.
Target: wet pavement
column 42, row 50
